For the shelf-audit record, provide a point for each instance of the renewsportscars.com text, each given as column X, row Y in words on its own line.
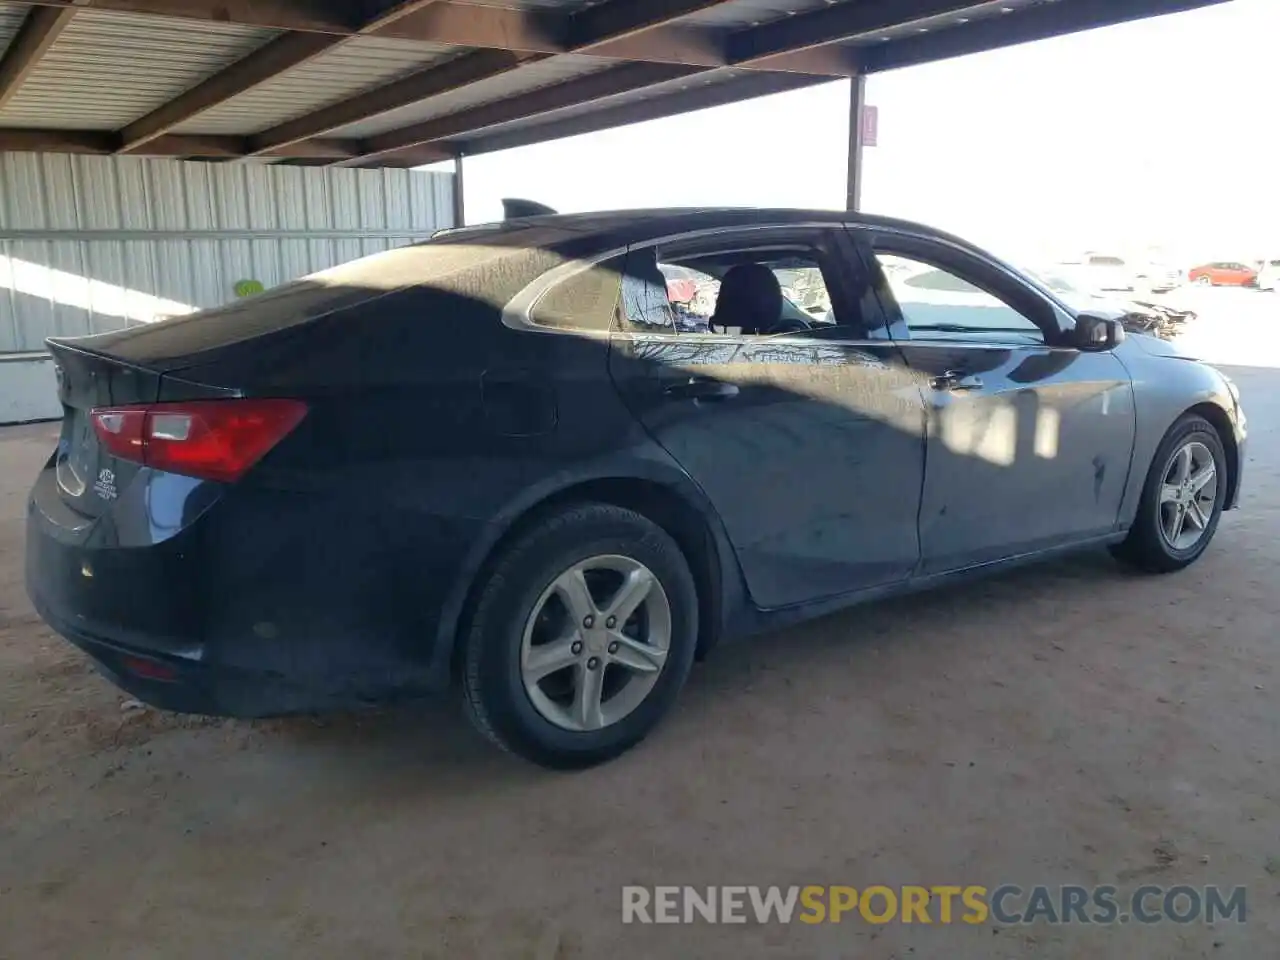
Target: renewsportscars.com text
column 940, row 904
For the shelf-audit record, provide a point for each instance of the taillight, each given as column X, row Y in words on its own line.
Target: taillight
column 210, row 439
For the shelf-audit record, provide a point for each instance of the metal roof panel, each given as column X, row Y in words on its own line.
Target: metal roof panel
column 533, row 76
column 107, row 69
column 11, row 17
column 348, row 70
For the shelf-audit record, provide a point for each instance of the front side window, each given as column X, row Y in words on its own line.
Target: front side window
column 938, row 303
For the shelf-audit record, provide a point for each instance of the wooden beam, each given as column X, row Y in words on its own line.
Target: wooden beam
column 234, row 148
column 693, row 46
column 829, row 61
column 639, row 31
column 595, row 86
column 56, row 141
column 493, row 28
column 647, row 32
column 36, row 35
column 594, row 28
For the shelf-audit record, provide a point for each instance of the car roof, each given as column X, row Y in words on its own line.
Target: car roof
column 622, row 227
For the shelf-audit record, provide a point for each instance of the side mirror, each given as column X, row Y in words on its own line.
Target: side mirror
column 1098, row 333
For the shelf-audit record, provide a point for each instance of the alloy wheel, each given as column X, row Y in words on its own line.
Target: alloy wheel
column 1188, row 495
column 595, row 643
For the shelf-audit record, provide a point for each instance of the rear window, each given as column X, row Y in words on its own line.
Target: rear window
column 1106, row 262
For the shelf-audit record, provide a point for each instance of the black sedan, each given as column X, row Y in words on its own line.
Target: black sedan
column 495, row 460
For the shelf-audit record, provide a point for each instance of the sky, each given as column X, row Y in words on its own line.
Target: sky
column 1159, row 138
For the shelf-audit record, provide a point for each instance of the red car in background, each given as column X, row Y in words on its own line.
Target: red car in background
column 1224, row 273
column 682, row 284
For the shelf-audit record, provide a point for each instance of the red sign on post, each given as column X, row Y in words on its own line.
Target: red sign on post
column 870, row 125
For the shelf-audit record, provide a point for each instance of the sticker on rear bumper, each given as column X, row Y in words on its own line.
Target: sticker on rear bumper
column 105, row 485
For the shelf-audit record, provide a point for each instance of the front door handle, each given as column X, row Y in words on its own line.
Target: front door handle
column 697, row 388
column 954, row 381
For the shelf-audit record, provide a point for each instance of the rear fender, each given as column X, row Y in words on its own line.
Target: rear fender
column 650, row 464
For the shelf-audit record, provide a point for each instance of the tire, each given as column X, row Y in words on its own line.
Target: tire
column 1147, row 546
column 1204, row 281
column 520, row 584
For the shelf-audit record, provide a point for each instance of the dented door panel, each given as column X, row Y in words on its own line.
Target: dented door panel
column 1028, row 447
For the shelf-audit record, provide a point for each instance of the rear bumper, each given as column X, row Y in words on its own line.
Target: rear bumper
column 262, row 603
column 185, row 685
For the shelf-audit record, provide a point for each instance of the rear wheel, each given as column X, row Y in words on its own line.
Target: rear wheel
column 1182, row 500
column 581, row 638
column 1204, row 281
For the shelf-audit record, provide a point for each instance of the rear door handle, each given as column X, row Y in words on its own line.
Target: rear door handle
column 697, row 388
column 955, row 381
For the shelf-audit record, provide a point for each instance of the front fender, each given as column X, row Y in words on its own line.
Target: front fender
column 1167, row 385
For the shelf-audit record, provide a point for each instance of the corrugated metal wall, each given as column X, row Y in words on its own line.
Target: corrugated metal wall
column 89, row 244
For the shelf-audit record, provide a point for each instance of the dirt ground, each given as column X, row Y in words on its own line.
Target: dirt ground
column 1067, row 724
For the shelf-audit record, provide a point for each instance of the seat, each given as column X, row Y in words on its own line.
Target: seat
column 644, row 294
column 750, row 299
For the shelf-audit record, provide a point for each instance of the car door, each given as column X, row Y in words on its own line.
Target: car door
column 1029, row 439
column 809, row 445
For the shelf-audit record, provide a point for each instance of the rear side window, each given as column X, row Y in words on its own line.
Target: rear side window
column 585, row 300
column 1106, row 262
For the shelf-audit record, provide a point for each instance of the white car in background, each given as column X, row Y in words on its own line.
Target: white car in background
column 1104, row 273
column 1269, row 275
column 933, row 297
column 929, row 297
column 1158, row 319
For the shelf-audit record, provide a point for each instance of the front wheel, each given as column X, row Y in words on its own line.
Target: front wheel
column 1182, row 500
column 581, row 638
column 1204, row 281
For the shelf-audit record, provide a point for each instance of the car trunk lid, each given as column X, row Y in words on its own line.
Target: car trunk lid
column 89, row 477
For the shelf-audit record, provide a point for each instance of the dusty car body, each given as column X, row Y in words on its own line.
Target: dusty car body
column 495, row 460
